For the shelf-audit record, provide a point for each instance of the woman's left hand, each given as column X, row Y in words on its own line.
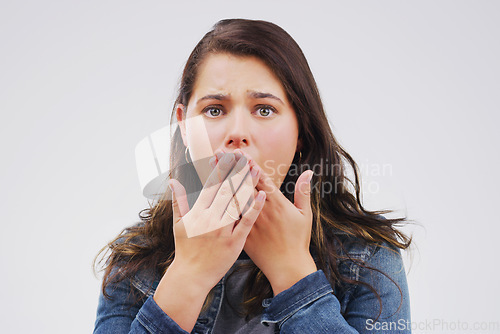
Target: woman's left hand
column 279, row 240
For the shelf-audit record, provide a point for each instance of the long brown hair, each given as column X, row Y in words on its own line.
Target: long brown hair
column 150, row 244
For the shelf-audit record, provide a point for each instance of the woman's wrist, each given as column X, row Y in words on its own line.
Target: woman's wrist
column 181, row 275
column 181, row 296
column 292, row 272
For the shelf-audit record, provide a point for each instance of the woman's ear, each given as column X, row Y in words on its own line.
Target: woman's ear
column 180, row 114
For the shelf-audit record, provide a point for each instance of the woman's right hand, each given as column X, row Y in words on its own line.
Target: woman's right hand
column 207, row 240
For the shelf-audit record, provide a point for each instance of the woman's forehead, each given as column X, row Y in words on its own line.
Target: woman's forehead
column 224, row 76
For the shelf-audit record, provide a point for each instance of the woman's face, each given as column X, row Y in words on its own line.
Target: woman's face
column 238, row 103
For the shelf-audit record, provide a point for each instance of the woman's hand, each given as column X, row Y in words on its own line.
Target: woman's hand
column 207, row 240
column 279, row 240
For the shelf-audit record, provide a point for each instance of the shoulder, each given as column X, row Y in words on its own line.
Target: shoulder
column 354, row 251
column 380, row 265
column 356, row 256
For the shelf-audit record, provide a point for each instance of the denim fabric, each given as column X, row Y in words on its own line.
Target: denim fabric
column 312, row 305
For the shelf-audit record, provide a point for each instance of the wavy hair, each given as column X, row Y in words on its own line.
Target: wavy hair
column 149, row 245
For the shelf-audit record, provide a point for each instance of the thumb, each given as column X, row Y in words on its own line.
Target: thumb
column 180, row 205
column 302, row 195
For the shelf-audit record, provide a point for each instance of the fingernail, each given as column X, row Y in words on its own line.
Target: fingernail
column 211, row 162
column 260, row 196
column 310, row 176
column 238, row 153
column 254, row 171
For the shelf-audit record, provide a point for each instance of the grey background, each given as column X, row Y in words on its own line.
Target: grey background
column 409, row 84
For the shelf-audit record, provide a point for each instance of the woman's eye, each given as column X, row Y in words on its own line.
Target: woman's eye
column 212, row 111
column 265, row 111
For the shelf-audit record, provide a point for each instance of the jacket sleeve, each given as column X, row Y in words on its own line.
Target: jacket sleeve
column 310, row 306
column 122, row 315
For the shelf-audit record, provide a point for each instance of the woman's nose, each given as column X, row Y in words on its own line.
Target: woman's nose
column 237, row 134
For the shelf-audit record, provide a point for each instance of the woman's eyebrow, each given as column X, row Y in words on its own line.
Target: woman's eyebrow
column 252, row 94
column 260, row 95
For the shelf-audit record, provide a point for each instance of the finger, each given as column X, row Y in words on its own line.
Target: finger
column 266, row 183
column 243, row 228
column 180, row 205
column 214, row 181
column 254, row 167
column 244, row 194
column 249, row 203
column 302, row 195
column 227, row 198
column 254, row 177
column 254, row 173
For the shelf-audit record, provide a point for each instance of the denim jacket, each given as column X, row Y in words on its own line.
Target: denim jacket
column 311, row 305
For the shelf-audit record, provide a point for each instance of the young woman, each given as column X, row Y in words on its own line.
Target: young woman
column 261, row 230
